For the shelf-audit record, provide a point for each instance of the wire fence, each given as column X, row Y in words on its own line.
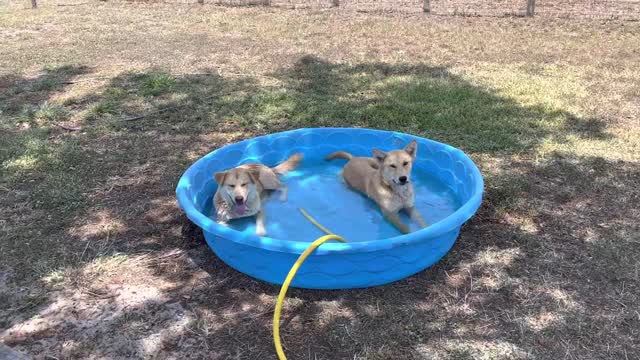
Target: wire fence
column 598, row 9
column 594, row 9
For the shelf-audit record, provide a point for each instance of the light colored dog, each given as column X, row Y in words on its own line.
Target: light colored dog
column 386, row 179
column 242, row 190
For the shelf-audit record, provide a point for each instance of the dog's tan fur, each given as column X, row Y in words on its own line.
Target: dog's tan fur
column 249, row 183
column 380, row 179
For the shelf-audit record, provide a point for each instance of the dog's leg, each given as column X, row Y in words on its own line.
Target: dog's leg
column 415, row 216
column 394, row 218
column 260, row 229
column 284, row 191
column 345, row 179
column 222, row 217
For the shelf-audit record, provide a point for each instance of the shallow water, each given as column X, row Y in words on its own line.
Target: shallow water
column 319, row 189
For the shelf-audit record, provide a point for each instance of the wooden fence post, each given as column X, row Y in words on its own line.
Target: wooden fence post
column 426, row 6
column 531, row 7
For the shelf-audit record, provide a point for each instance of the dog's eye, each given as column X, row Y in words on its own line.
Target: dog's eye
column 231, row 186
column 393, row 166
column 405, row 163
column 243, row 185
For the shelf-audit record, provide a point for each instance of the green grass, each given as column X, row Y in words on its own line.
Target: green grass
column 45, row 114
column 89, row 224
column 155, row 84
column 100, row 109
column 47, row 85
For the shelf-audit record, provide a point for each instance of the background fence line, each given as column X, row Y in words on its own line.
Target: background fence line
column 595, row 9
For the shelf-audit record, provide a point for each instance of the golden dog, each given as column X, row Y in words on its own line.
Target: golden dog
column 386, row 179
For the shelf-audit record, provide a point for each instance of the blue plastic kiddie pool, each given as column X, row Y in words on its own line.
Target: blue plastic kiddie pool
column 448, row 188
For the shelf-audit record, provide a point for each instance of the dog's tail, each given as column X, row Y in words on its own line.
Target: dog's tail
column 339, row 155
column 291, row 163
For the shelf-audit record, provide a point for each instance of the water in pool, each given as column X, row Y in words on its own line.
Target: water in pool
column 319, row 189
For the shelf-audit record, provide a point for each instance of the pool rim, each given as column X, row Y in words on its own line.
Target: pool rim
column 433, row 231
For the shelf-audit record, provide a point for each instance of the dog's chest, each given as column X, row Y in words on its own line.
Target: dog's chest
column 405, row 194
column 399, row 198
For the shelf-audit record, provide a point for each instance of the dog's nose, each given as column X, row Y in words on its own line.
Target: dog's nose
column 239, row 199
column 403, row 179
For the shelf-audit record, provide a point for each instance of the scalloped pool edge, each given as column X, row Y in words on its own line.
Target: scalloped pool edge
column 333, row 265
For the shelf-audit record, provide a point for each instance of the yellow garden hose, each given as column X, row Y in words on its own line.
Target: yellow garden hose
column 314, row 222
column 292, row 274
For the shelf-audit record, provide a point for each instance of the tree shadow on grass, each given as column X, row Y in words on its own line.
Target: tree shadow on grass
column 511, row 287
column 17, row 93
column 418, row 99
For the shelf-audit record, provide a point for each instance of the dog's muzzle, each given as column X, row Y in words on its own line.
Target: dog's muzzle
column 240, row 206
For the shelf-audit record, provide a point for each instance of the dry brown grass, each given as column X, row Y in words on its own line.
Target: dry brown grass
column 98, row 262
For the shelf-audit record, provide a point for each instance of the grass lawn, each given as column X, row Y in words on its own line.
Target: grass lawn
column 103, row 106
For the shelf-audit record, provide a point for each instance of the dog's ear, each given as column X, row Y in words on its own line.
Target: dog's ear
column 412, row 149
column 379, row 155
column 219, row 177
column 254, row 175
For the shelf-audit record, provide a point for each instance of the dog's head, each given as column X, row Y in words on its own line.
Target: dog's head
column 237, row 186
column 396, row 165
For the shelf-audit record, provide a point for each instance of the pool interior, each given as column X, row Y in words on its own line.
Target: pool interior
column 319, row 189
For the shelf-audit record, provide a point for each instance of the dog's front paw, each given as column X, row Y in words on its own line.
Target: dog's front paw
column 261, row 231
column 283, row 194
column 403, row 228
